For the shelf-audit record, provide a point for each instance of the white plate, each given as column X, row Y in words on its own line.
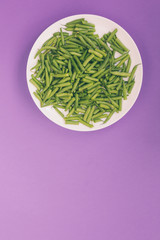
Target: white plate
column 103, row 25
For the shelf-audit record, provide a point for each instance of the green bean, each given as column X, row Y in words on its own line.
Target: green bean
column 47, row 94
column 131, row 87
column 122, row 61
column 76, row 54
column 84, row 54
column 83, row 41
column 111, row 85
column 75, row 85
column 132, row 73
column 55, row 63
column 63, row 84
column 87, row 23
column 122, row 74
column 86, row 80
column 76, row 101
column 64, row 89
column 89, row 41
column 109, row 116
column 36, row 66
column 90, row 114
column 53, row 92
column 37, row 96
column 88, row 60
column 62, row 37
column 75, row 65
column 79, row 63
column 70, row 103
column 97, row 120
column 40, row 72
column 87, row 113
column 124, row 91
column 45, row 48
column 71, row 122
column 73, row 76
column 102, row 52
column 104, row 63
column 61, row 62
column 72, row 110
column 63, row 50
column 103, row 73
column 92, row 66
column 64, row 94
column 37, row 82
column 97, row 115
column 75, row 21
column 48, row 103
column 121, row 45
column 116, row 49
column 82, row 26
column 59, row 112
column 85, row 123
column 128, row 65
column 112, row 35
column 104, row 106
column 104, row 45
column 94, row 96
column 91, row 78
column 69, row 67
column 49, row 41
column 113, row 102
column 75, row 117
column 120, row 104
column 61, row 75
column 98, row 73
column 95, row 53
column 80, row 110
column 98, row 59
column 85, row 86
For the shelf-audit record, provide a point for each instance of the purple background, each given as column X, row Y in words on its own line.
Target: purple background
column 57, row 184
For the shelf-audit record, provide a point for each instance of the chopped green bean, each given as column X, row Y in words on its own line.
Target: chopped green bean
column 79, row 73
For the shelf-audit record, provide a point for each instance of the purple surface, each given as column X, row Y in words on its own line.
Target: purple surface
column 56, row 184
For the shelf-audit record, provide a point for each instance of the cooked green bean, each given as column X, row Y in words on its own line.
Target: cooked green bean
column 80, row 74
column 122, row 74
column 59, row 112
column 121, row 44
column 72, row 122
column 90, row 114
column 75, row 65
column 104, row 45
column 131, row 87
column 132, row 73
column 75, row 85
column 117, row 49
column 122, row 61
column 79, row 63
column 45, row 48
column 62, row 37
column 88, row 60
column 112, row 35
column 85, row 123
column 109, row 116
column 128, row 65
column 95, row 53
column 124, row 91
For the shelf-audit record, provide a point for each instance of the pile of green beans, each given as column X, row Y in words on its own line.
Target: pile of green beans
column 79, row 73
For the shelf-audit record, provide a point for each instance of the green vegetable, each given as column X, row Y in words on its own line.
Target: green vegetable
column 80, row 74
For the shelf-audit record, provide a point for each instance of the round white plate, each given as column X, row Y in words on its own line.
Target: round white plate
column 103, row 25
